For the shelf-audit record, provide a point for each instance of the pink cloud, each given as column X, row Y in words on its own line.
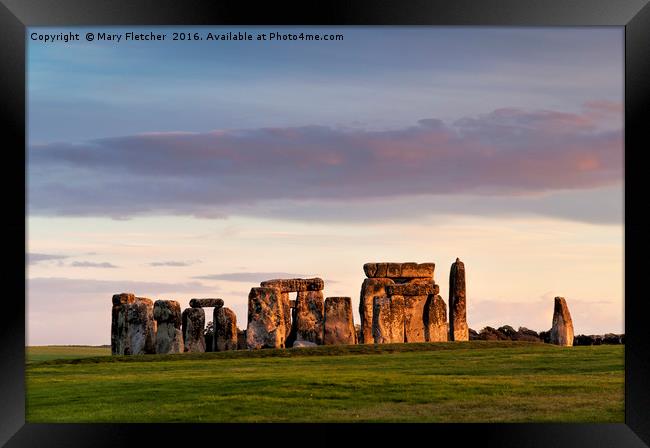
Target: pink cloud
column 506, row 152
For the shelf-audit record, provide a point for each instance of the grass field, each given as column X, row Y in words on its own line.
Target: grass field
column 444, row 382
column 49, row 352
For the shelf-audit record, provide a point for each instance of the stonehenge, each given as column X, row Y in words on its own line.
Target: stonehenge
column 141, row 327
column 193, row 323
column 338, row 326
column 308, row 320
column 266, row 321
column 399, row 293
column 458, row 329
column 225, row 330
column 562, row 329
column 436, row 328
column 132, row 326
column 169, row 337
column 398, row 303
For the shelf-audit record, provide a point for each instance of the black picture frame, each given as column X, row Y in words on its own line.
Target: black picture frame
column 634, row 15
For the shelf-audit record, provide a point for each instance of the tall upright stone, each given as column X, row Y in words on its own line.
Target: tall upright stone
column 266, row 321
column 339, row 321
column 458, row 329
column 141, row 326
column 436, row 327
column 388, row 319
column 308, row 319
column 225, row 330
column 193, row 322
column 414, row 330
column 371, row 288
column 120, row 344
column 169, row 336
column 562, row 329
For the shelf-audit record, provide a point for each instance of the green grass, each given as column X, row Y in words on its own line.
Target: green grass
column 444, row 382
column 49, row 352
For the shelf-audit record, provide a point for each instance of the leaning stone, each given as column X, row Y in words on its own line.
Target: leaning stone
column 193, row 324
column 458, row 329
column 436, row 328
column 413, row 289
column 339, row 323
column 309, row 316
column 169, row 337
column 119, row 324
column 370, row 288
column 141, row 327
column 225, row 330
column 295, row 284
column 562, row 329
column 206, row 303
column 388, row 319
column 266, row 323
column 414, row 318
column 300, row 343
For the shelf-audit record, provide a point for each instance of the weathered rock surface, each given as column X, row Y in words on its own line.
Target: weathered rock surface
column 436, row 327
column 169, row 336
column 295, row 284
column 241, row 340
column 193, row 323
column 206, row 303
column 266, row 321
column 304, row 344
column 288, row 313
column 309, row 317
column 399, row 270
column 225, row 329
column 119, row 325
column 388, row 319
column 413, row 289
column 370, row 288
column 458, row 329
column 562, row 329
column 338, row 321
column 141, row 327
column 414, row 318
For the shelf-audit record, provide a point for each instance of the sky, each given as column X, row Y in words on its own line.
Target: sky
column 183, row 169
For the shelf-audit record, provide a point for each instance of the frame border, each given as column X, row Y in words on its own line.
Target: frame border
column 634, row 15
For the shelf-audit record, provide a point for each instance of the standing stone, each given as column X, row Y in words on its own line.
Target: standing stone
column 458, row 329
column 562, row 330
column 266, row 323
column 414, row 318
column 339, row 323
column 169, row 337
column 370, row 288
column 308, row 320
column 436, row 328
column 119, row 325
column 241, row 339
column 288, row 314
column 225, row 330
column 388, row 319
column 141, row 327
column 193, row 320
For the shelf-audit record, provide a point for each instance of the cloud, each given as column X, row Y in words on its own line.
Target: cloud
column 34, row 258
column 252, row 277
column 91, row 264
column 173, row 263
column 506, row 153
